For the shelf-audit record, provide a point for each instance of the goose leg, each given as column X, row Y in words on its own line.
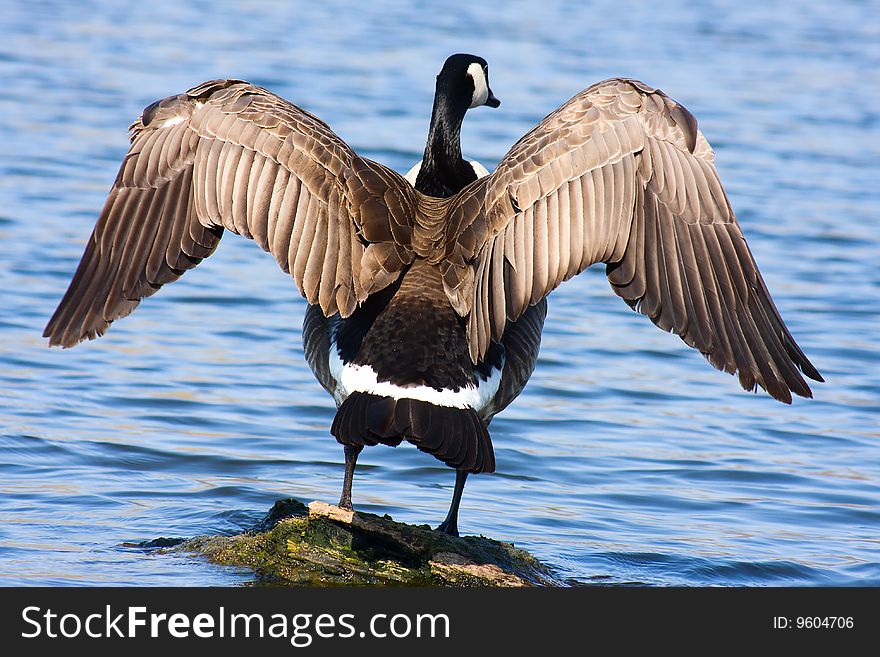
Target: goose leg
column 351, row 457
column 450, row 525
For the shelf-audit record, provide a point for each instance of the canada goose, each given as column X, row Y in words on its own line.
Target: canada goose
column 427, row 300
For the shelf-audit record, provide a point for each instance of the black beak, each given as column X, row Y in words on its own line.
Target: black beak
column 491, row 101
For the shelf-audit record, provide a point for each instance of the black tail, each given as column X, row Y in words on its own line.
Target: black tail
column 456, row 436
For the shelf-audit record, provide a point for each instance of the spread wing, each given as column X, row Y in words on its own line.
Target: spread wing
column 228, row 154
column 620, row 174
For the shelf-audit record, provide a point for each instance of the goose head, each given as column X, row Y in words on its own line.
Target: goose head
column 462, row 84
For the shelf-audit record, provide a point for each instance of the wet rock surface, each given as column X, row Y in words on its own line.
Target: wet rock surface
column 325, row 545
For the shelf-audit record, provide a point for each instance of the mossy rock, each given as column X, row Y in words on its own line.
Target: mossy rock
column 324, row 545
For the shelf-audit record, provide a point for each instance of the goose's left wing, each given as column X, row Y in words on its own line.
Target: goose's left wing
column 620, row 174
column 230, row 155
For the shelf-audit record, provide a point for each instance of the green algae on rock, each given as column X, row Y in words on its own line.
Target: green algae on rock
column 325, row 545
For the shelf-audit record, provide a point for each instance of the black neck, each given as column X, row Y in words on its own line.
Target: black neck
column 444, row 172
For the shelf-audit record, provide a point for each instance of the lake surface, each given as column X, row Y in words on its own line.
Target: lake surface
column 627, row 458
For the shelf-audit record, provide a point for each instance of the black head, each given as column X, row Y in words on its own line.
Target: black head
column 465, row 78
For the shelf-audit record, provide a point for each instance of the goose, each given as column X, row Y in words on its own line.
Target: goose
column 427, row 294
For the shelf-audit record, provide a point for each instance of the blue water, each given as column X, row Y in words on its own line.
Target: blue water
column 627, row 458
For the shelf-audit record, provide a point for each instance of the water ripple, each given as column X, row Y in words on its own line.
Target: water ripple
column 627, row 460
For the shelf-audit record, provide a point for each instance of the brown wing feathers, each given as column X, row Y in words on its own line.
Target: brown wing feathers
column 231, row 155
column 621, row 174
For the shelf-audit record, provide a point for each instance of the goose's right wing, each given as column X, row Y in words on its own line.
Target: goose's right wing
column 228, row 154
column 620, row 174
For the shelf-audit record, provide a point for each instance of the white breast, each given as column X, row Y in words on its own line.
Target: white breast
column 413, row 173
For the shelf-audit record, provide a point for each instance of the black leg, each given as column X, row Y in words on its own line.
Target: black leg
column 450, row 525
column 351, row 457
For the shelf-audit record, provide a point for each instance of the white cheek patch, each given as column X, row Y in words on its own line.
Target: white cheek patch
column 481, row 86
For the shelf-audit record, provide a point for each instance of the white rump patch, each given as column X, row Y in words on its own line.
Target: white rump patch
column 413, row 173
column 362, row 378
column 481, row 86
